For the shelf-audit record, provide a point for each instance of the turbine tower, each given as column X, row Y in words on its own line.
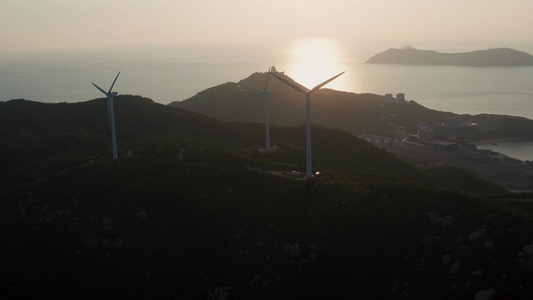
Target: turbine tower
column 111, row 114
column 307, row 92
column 267, row 112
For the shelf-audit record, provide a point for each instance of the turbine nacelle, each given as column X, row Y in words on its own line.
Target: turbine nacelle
column 303, row 89
column 112, row 94
column 108, row 93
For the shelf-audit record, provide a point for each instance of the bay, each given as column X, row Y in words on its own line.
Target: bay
column 519, row 149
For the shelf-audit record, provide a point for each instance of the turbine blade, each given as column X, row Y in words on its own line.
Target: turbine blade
column 266, row 84
column 99, row 88
column 113, row 83
column 325, row 82
column 292, row 85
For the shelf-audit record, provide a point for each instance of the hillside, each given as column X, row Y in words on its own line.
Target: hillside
column 354, row 113
column 34, row 133
column 191, row 210
column 367, row 114
column 481, row 58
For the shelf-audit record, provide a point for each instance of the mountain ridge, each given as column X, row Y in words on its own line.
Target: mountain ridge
column 355, row 113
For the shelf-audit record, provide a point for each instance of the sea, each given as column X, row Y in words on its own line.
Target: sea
column 519, row 149
column 167, row 75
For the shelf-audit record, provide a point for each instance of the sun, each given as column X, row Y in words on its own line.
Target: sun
column 314, row 60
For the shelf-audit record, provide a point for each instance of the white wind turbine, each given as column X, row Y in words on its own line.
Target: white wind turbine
column 307, row 92
column 111, row 114
column 267, row 112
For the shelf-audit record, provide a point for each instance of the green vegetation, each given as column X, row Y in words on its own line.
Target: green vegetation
column 191, row 207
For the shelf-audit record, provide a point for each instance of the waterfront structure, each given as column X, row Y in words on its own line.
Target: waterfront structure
column 426, row 132
column 389, row 98
column 446, row 130
column 380, row 141
column 439, row 145
column 400, row 97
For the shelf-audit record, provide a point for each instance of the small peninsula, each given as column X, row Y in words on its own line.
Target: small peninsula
column 501, row 57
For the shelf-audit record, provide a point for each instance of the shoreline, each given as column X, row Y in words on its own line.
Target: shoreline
column 515, row 148
column 501, row 169
column 501, row 140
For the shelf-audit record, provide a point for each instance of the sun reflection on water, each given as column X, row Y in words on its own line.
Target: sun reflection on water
column 315, row 60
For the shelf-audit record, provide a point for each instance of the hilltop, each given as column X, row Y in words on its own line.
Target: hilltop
column 481, row 58
column 367, row 114
column 192, row 210
column 354, row 113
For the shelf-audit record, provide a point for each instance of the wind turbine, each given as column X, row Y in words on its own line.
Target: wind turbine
column 111, row 114
column 307, row 92
column 267, row 112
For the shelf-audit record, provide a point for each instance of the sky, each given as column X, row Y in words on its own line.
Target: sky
column 30, row 26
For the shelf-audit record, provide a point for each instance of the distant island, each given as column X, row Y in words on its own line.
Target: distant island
column 481, row 58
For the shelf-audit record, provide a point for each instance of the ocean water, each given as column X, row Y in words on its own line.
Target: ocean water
column 162, row 76
column 167, row 76
column 520, row 149
column 177, row 74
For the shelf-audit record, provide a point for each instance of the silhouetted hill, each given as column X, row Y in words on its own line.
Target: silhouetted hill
column 191, row 210
column 354, row 113
column 33, row 133
column 480, row 58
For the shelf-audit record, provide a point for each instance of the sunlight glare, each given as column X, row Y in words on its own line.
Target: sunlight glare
column 315, row 60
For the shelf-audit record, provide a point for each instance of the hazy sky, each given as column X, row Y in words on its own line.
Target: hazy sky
column 442, row 25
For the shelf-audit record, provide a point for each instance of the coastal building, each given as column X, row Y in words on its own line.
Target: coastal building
column 426, row 132
column 438, row 136
column 446, row 130
column 400, row 97
column 470, row 129
column 439, row 145
column 434, row 136
column 459, row 130
column 435, row 145
column 389, row 98
column 380, row 141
